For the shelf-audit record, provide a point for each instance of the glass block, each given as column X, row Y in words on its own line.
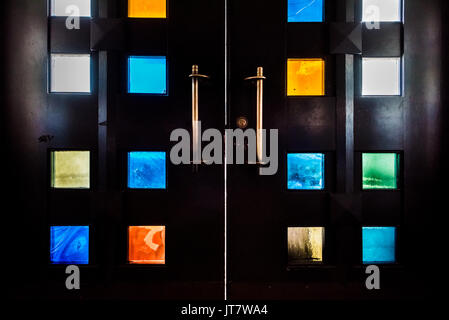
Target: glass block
column 305, row 10
column 379, row 244
column 381, row 76
column 146, row 244
column 305, row 245
column 70, row 169
column 305, row 77
column 382, row 10
column 380, row 170
column 70, row 73
column 64, row 8
column 147, row 75
column 305, row 171
column 146, row 170
column 69, row 244
column 147, row 8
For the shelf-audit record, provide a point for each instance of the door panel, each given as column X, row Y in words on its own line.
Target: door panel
column 110, row 122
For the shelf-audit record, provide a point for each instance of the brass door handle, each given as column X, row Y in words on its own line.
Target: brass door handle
column 259, row 112
column 196, row 139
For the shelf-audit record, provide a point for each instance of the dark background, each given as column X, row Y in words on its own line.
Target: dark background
column 417, row 126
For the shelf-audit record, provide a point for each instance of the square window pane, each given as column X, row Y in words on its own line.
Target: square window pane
column 69, row 244
column 305, row 245
column 305, row 171
column 67, row 8
column 381, row 76
column 146, row 244
column 305, row 10
column 380, row 170
column 147, row 75
column 70, row 169
column 147, row 8
column 379, row 244
column 382, row 10
column 70, row 73
column 305, row 77
column 146, row 170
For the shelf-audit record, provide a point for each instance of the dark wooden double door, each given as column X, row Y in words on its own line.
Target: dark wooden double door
column 228, row 42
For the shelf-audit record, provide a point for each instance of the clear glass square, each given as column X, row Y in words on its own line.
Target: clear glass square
column 382, row 10
column 64, row 8
column 381, row 76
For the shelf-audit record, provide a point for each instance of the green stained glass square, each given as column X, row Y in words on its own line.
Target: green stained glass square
column 380, row 170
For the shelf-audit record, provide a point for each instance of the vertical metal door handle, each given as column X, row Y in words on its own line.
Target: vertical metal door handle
column 259, row 111
column 195, row 115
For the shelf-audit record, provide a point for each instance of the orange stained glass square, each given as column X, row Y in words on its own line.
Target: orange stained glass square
column 146, row 244
column 147, row 8
column 305, row 77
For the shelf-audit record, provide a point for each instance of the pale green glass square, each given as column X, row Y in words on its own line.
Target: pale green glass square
column 380, row 170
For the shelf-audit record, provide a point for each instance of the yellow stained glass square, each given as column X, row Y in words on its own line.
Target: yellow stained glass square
column 147, row 8
column 70, row 169
column 305, row 77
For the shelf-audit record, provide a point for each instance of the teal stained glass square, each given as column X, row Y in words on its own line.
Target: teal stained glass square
column 380, row 170
column 305, row 10
column 147, row 75
column 379, row 244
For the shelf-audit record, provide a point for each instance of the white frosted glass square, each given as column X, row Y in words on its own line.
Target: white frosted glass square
column 381, row 76
column 65, row 8
column 382, row 10
column 70, row 73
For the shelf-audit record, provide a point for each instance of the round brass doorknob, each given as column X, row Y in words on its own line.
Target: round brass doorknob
column 242, row 122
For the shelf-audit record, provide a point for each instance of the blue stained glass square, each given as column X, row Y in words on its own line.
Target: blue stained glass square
column 146, row 170
column 305, row 10
column 69, row 244
column 379, row 244
column 147, row 75
column 305, row 171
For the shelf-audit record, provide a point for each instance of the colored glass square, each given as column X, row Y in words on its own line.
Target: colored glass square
column 147, row 8
column 146, row 244
column 305, row 10
column 379, row 244
column 382, row 10
column 69, row 244
column 146, row 170
column 70, row 73
column 70, row 169
column 147, row 75
column 305, row 77
column 305, row 171
column 305, row 245
column 381, row 76
column 65, row 8
column 380, row 170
